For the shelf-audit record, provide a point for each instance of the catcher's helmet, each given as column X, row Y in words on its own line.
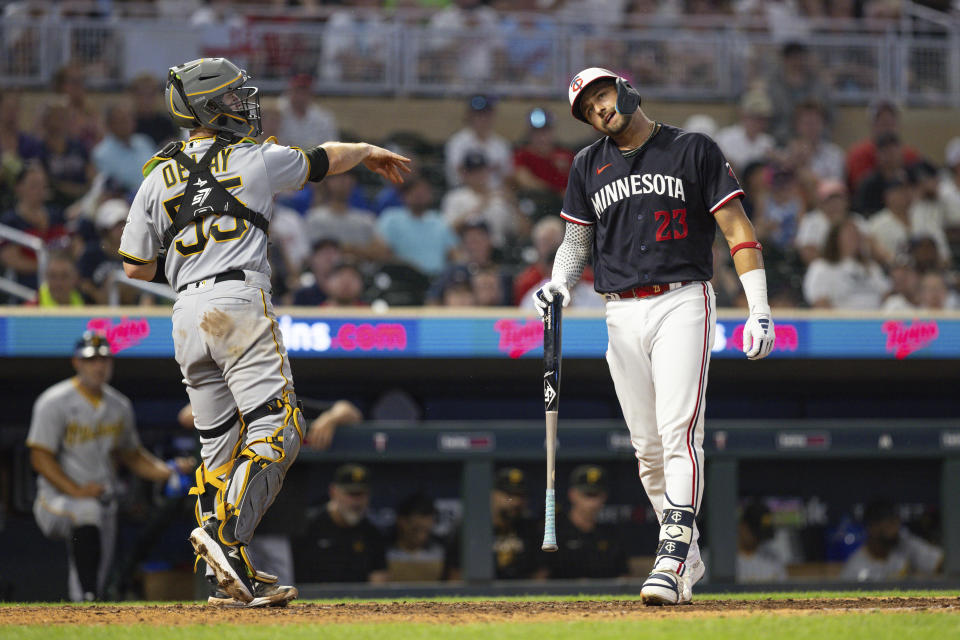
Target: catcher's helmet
column 91, row 345
column 209, row 92
column 628, row 98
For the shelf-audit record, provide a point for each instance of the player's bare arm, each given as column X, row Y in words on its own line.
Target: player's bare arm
column 45, row 463
column 738, row 230
column 140, row 271
column 758, row 332
column 148, row 466
column 344, row 156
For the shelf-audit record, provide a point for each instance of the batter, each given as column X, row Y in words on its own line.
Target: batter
column 204, row 209
column 646, row 200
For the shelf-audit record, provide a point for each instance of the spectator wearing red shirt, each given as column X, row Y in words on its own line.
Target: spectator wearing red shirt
column 862, row 156
column 541, row 164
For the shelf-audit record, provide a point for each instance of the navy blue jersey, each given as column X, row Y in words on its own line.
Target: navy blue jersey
column 654, row 210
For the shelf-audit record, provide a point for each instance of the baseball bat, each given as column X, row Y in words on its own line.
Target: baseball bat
column 551, row 405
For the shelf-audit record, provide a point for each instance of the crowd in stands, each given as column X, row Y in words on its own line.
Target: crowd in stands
column 872, row 227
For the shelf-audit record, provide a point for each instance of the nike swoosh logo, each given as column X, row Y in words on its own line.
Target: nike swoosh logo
column 600, row 170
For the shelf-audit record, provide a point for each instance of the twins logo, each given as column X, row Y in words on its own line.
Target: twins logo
column 669, row 547
column 676, row 516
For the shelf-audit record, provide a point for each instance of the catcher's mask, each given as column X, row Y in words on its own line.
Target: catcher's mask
column 209, row 92
column 628, row 98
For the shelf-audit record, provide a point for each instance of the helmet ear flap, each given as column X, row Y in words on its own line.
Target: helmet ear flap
column 628, row 98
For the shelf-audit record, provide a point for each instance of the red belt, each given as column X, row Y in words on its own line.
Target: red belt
column 646, row 292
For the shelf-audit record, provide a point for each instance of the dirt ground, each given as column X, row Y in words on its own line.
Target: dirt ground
column 451, row 612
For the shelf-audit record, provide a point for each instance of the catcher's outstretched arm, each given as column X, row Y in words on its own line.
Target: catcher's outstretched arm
column 573, row 254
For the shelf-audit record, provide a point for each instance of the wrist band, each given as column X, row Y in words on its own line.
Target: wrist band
column 745, row 245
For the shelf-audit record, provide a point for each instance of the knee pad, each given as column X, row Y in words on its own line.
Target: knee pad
column 259, row 469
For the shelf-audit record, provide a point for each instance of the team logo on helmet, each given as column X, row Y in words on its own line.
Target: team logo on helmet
column 577, row 83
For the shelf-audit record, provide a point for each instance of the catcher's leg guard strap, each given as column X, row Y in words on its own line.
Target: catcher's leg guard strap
column 676, row 532
column 258, row 476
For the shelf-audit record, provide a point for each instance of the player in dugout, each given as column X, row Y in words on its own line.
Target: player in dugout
column 78, row 426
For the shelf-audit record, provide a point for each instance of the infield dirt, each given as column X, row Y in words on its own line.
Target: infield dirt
column 452, row 612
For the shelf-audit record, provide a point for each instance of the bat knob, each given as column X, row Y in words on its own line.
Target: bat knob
column 549, row 547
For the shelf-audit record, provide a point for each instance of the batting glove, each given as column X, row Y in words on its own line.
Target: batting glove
column 544, row 296
column 758, row 335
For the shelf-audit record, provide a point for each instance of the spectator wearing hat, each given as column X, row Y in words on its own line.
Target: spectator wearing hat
column 794, row 81
column 588, row 548
column 416, row 233
column 334, row 217
column 474, row 255
column 100, row 262
column 757, row 559
column 478, row 135
column 540, row 164
column 890, row 551
column 949, row 189
column 891, row 228
column 122, row 151
column 845, row 277
column 833, row 206
column 477, row 201
column 869, row 196
column 326, row 254
column 747, row 141
column 516, row 535
column 302, row 121
column 340, row 543
column 415, row 553
column 884, row 117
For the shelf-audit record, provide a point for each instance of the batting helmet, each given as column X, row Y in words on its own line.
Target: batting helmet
column 209, row 92
column 91, row 345
column 628, row 98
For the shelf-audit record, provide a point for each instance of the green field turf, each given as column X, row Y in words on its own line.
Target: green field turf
column 874, row 626
column 737, row 625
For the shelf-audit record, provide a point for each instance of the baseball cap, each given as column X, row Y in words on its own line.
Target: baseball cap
column 352, row 478
column 952, row 152
column 111, row 212
column 511, row 480
column 580, row 82
column 830, row 187
column 539, row 118
column 589, row 478
column 474, row 160
column 481, row 102
column 757, row 102
column 91, row 345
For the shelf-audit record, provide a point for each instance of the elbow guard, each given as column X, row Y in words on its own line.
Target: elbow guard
column 319, row 163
